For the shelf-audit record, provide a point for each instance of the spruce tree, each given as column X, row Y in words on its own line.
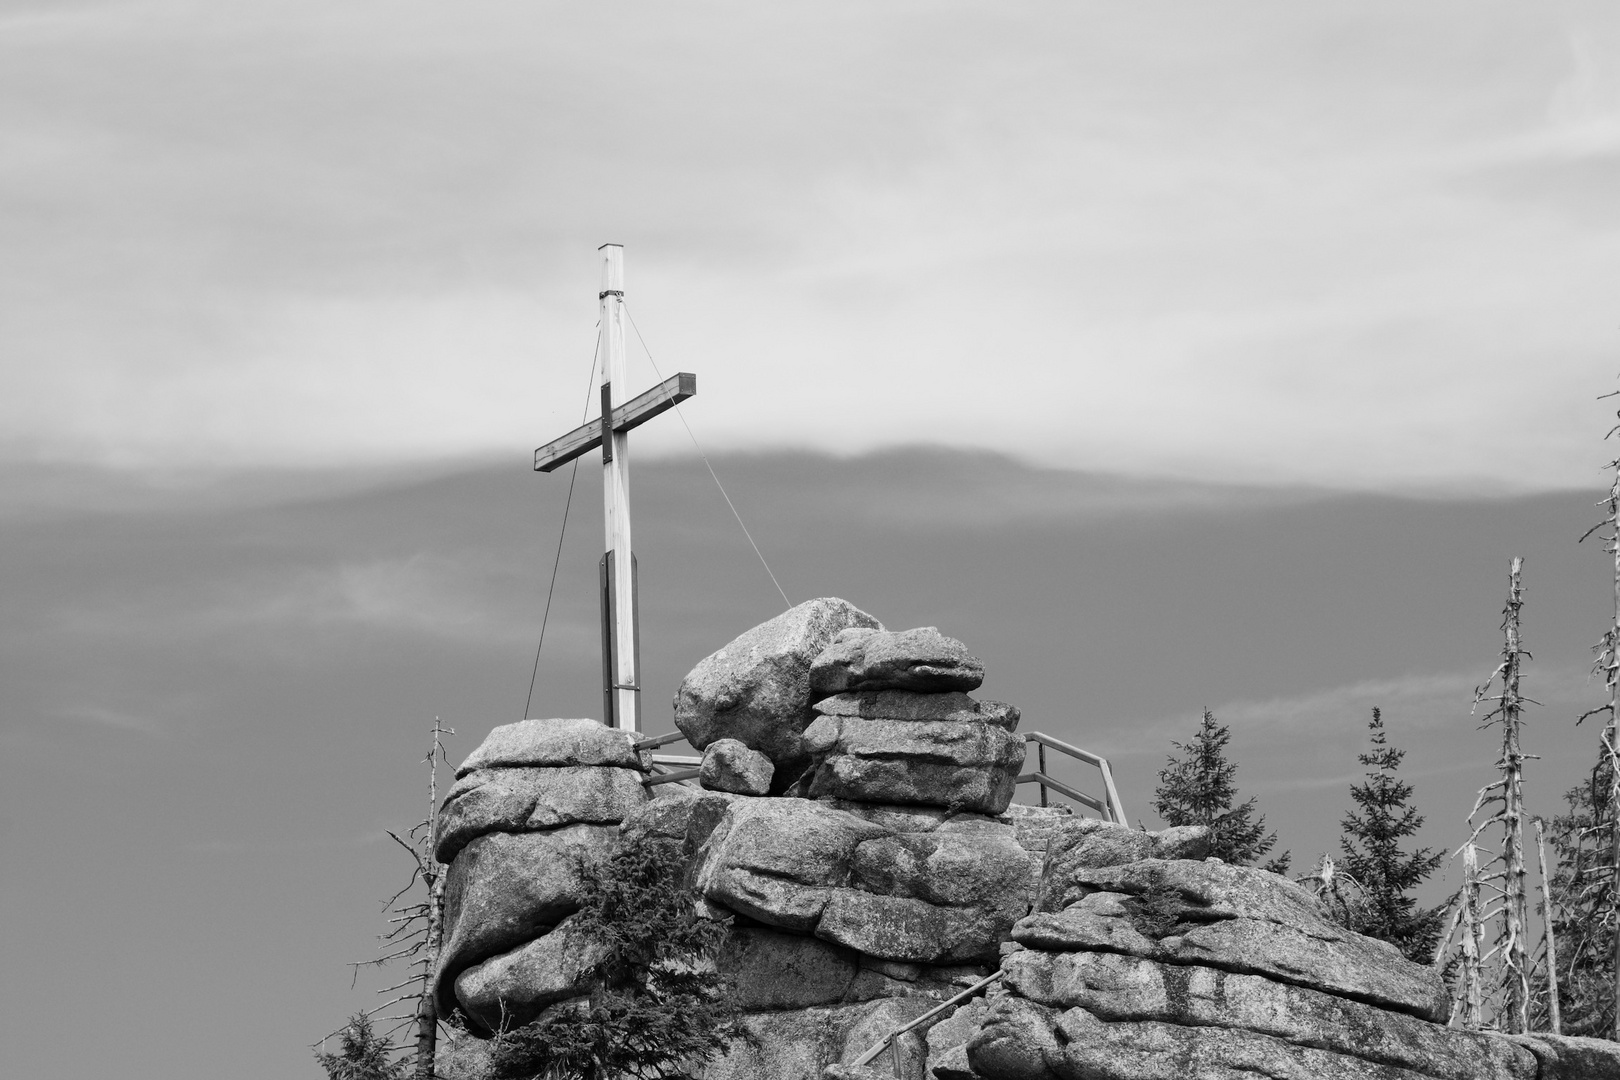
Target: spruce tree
column 1199, row 787
column 657, row 1007
column 1583, row 914
column 1370, row 840
column 362, row 1055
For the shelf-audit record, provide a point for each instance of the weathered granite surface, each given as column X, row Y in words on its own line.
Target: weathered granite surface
column 799, row 1043
column 757, row 688
column 551, row 742
column 968, row 765
column 526, row 799
column 949, row 895
column 505, row 889
column 910, row 705
column 514, row 986
column 922, row 660
column 728, row 765
column 531, row 805
column 1139, row 967
column 1232, row 917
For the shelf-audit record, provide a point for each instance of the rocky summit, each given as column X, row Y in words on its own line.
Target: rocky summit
column 852, row 828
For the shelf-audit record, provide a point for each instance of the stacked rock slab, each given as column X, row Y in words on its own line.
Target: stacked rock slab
column 530, row 806
column 808, row 1001
column 1144, row 960
column 878, row 877
column 757, row 689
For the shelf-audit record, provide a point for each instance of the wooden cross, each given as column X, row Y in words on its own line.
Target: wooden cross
column 621, row 631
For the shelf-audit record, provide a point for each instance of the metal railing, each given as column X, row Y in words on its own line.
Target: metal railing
column 676, row 769
column 668, row 768
column 1109, row 805
column 938, row 1010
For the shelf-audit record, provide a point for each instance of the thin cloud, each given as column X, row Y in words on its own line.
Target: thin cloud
column 418, row 595
column 302, row 235
column 111, row 718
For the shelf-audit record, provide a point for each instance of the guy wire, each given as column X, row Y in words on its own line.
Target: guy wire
column 705, row 458
column 562, row 532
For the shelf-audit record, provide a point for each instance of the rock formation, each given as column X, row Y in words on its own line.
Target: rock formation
column 757, row 689
column 533, row 801
column 853, row 826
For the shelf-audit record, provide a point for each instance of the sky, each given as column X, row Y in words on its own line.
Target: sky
column 1171, row 355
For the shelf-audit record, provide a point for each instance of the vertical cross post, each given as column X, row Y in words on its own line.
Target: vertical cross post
column 622, row 679
column 621, row 635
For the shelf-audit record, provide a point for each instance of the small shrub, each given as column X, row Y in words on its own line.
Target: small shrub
column 1156, row 912
column 657, row 1006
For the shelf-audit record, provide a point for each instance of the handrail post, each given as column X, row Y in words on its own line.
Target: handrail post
column 1109, row 806
column 1116, row 811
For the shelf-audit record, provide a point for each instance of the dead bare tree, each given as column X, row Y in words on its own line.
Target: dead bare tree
column 1468, row 921
column 1343, row 897
column 430, row 914
column 416, row 918
column 1504, row 874
column 1549, row 944
column 1608, row 665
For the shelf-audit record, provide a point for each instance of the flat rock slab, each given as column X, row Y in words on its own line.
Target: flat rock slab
column 1237, row 919
column 1087, row 844
column 947, row 1040
column 798, row 1044
column 505, row 889
column 913, row 819
column 969, row 766
column 552, row 742
column 513, row 987
column 1215, row 888
column 461, row 1055
column 757, row 689
column 769, row 969
column 923, row 660
column 947, row 896
column 778, row 860
column 678, row 812
column 1021, row 1040
column 1571, row 1057
column 1113, row 987
column 529, row 799
column 977, row 863
column 909, row 705
column 906, row 929
column 728, row 765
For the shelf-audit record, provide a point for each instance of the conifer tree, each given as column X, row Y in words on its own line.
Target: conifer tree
column 657, row 1006
column 1583, row 915
column 1370, row 839
column 1199, row 788
column 362, row 1055
column 1605, row 814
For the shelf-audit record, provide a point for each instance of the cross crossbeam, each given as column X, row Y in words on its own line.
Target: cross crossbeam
column 638, row 410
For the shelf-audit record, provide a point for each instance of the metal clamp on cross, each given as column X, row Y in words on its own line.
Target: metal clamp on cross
column 621, row 631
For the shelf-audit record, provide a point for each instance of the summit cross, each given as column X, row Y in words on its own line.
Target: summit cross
column 621, row 631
